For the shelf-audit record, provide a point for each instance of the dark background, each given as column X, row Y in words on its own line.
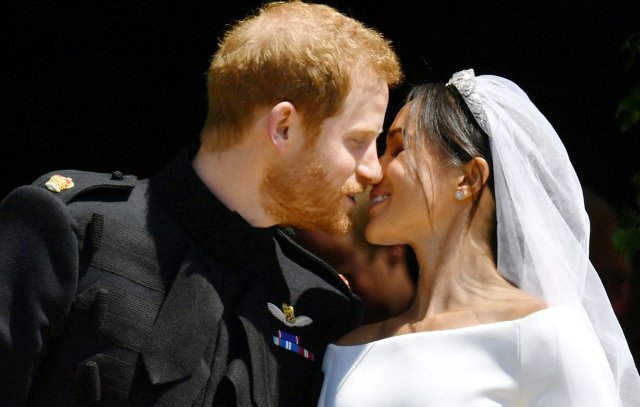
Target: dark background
column 120, row 85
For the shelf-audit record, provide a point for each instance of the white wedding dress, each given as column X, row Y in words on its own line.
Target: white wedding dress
column 526, row 362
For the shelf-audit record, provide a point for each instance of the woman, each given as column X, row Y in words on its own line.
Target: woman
column 508, row 310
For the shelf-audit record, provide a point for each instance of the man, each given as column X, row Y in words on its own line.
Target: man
column 181, row 290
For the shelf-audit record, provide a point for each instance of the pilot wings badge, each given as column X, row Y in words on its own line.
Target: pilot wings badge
column 287, row 316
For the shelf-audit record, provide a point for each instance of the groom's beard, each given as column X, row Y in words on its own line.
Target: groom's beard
column 299, row 194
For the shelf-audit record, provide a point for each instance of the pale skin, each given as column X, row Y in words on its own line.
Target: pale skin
column 459, row 284
column 346, row 145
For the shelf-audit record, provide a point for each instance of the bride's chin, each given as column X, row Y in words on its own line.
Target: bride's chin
column 372, row 234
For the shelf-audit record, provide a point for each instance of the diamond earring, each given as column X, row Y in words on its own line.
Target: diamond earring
column 459, row 195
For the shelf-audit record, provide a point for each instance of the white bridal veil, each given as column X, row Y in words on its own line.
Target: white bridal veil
column 543, row 228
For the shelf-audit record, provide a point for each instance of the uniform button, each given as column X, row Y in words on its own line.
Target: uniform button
column 117, row 175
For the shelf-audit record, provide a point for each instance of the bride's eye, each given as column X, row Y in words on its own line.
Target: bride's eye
column 395, row 151
column 395, row 147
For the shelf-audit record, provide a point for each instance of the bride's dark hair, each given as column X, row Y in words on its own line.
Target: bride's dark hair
column 441, row 123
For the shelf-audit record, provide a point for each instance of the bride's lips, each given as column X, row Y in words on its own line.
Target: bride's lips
column 377, row 197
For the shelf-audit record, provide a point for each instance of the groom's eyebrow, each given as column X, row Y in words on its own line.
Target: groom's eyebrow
column 364, row 132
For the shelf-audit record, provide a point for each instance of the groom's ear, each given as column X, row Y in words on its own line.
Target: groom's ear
column 476, row 174
column 280, row 120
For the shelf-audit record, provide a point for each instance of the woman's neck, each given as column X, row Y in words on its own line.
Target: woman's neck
column 455, row 274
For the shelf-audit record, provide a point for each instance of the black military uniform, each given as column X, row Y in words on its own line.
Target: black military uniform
column 120, row 291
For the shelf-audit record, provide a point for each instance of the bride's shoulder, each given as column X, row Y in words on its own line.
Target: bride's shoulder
column 518, row 306
column 370, row 333
column 363, row 334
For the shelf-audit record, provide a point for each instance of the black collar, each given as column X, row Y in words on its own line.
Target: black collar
column 220, row 232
